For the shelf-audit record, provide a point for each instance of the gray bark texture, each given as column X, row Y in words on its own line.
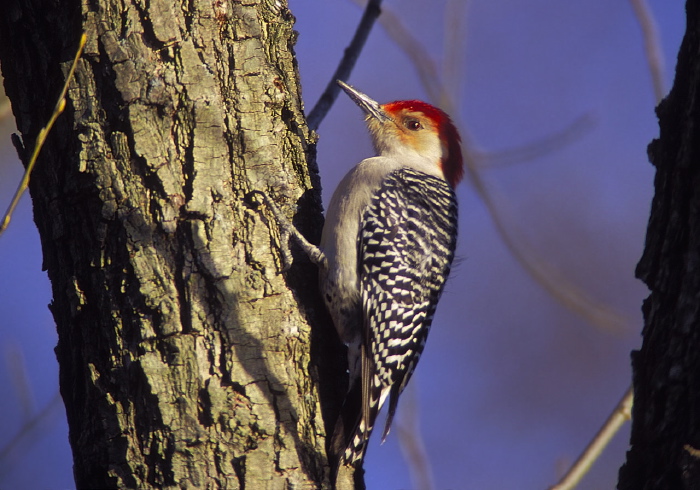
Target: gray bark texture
column 665, row 440
column 185, row 357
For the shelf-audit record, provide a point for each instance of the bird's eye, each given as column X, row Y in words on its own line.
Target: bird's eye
column 413, row 124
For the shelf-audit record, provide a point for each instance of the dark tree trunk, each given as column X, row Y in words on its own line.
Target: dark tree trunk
column 665, row 441
column 185, row 359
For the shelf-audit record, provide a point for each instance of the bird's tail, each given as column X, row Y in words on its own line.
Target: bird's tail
column 356, row 420
column 347, row 444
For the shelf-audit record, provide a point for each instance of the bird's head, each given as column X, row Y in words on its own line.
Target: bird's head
column 413, row 129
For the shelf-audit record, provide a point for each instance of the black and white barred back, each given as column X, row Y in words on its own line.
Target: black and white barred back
column 406, row 247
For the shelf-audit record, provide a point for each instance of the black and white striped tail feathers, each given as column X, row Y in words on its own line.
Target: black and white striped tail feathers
column 352, row 430
column 406, row 246
column 346, row 427
column 356, row 422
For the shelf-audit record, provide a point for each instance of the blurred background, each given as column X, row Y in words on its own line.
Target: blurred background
column 529, row 351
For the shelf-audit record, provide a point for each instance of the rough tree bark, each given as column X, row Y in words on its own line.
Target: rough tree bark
column 185, row 359
column 665, row 440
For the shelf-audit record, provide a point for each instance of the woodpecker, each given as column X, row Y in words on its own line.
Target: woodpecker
column 386, row 250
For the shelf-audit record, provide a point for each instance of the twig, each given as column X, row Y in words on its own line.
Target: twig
column 542, row 146
column 5, row 109
column 454, row 47
column 652, row 46
column 347, row 63
column 17, row 366
column 411, row 440
column 621, row 414
column 30, row 425
column 41, row 138
column 422, row 61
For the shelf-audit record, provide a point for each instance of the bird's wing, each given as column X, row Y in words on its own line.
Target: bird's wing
column 406, row 246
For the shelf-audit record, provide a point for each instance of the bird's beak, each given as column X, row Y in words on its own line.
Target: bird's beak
column 370, row 106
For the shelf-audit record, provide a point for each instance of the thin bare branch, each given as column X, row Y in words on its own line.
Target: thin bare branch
column 549, row 279
column 621, row 414
column 16, row 365
column 652, row 46
column 5, row 109
column 425, row 65
column 411, row 440
column 41, row 138
column 5, row 106
column 454, row 47
column 543, row 146
column 347, row 63
column 30, row 427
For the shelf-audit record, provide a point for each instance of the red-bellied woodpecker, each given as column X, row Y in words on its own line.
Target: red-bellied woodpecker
column 386, row 250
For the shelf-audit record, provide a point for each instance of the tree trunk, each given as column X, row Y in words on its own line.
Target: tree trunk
column 665, row 440
column 185, row 359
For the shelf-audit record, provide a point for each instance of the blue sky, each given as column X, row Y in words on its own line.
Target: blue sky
column 512, row 383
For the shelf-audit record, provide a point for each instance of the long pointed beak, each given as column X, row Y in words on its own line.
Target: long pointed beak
column 370, row 106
